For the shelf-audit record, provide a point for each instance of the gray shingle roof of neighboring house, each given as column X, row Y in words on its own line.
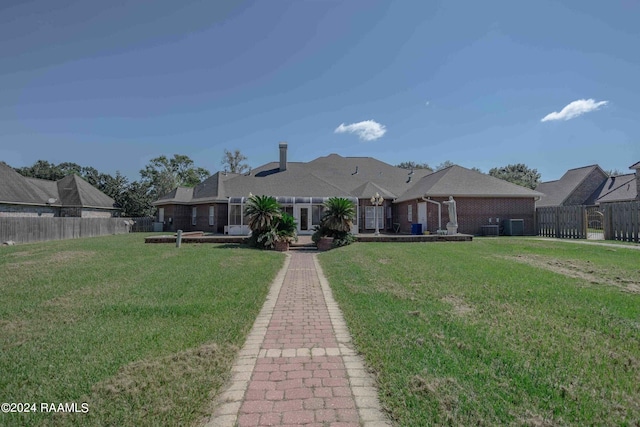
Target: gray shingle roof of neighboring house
column 70, row 191
column 76, row 192
column 457, row 181
column 556, row 192
column 620, row 188
column 15, row 189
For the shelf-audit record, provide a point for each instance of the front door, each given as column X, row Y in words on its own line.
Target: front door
column 304, row 219
column 422, row 215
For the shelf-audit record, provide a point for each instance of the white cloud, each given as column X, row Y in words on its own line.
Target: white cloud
column 368, row 130
column 575, row 109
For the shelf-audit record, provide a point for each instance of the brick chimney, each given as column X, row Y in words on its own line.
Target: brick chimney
column 283, row 156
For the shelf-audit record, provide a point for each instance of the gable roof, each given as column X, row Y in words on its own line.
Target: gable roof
column 556, row 192
column 620, row 188
column 462, row 182
column 70, row 191
column 76, row 192
column 331, row 175
column 334, row 175
column 15, row 189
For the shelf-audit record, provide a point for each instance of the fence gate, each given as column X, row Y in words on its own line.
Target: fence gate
column 595, row 223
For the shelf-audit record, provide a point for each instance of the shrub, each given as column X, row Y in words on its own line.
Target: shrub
column 336, row 222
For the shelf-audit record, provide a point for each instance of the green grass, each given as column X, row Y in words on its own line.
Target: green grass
column 144, row 333
column 495, row 331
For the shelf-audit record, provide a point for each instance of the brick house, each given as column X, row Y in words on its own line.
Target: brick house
column 70, row 196
column 217, row 204
column 590, row 186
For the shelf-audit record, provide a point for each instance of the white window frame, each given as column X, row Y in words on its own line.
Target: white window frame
column 194, row 215
column 211, row 215
column 410, row 213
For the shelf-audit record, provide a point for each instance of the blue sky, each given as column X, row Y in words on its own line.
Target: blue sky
column 112, row 84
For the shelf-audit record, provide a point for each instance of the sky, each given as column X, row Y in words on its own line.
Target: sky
column 113, row 84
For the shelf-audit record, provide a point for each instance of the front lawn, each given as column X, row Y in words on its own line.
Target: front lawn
column 496, row 331
column 143, row 333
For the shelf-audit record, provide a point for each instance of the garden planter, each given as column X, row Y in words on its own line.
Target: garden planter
column 281, row 246
column 325, row 243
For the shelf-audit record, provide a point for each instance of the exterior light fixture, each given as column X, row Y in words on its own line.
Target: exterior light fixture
column 376, row 201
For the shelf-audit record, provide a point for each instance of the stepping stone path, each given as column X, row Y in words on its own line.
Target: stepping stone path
column 297, row 366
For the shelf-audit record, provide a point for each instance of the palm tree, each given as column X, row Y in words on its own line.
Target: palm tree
column 262, row 213
column 338, row 214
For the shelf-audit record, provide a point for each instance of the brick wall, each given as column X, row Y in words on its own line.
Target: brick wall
column 590, row 184
column 176, row 217
column 473, row 213
column 7, row 210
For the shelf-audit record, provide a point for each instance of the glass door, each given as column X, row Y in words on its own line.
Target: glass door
column 304, row 219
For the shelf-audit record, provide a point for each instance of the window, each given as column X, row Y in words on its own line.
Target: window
column 161, row 215
column 211, row 216
column 369, row 217
column 316, row 214
column 235, row 214
column 410, row 213
column 288, row 210
column 194, row 216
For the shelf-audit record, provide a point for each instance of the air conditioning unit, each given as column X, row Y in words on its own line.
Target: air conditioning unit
column 513, row 227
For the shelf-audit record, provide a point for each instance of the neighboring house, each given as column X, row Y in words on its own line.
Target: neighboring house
column 217, row 203
column 576, row 187
column 70, row 196
column 590, row 186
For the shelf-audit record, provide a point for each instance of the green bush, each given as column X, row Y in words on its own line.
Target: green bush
column 336, row 222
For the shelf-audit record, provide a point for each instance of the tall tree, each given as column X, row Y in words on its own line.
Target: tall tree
column 414, row 165
column 163, row 174
column 137, row 200
column 519, row 174
column 42, row 169
column 233, row 161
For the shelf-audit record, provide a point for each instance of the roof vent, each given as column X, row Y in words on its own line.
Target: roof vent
column 356, row 172
column 409, row 179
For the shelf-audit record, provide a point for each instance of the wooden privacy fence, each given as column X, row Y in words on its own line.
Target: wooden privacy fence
column 38, row 229
column 564, row 222
column 622, row 221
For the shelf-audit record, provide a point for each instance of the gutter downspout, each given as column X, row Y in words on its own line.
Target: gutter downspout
column 439, row 210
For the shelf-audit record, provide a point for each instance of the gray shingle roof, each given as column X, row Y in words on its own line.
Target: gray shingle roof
column 76, row 192
column 71, row 191
column 334, row 175
column 14, row 188
column 618, row 189
column 556, row 192
column 462, row 182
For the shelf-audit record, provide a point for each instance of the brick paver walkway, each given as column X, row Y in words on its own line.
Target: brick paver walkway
column 297, row 366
